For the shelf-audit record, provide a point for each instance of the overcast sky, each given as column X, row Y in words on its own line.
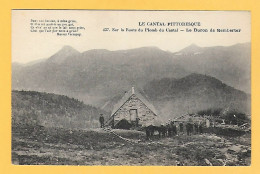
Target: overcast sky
column 29, row 46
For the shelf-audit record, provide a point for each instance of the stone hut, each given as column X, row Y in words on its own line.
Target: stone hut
column 133, row 110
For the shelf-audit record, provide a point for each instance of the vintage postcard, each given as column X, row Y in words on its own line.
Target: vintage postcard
column 131, row 88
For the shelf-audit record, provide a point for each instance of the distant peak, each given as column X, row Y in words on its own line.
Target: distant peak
column 193, row 45
column 17, row 64
column 149, row 48
column 243, row 45
column 63, row 53
column 142, row 49
column 197, row 76
column 68, row 48
column 97, row 51
column 193, row 48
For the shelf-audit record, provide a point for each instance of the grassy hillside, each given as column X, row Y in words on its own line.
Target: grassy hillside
column 193, row 93
column 51, row 110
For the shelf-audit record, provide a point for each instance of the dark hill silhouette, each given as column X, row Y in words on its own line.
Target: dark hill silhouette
column 51, row 110
column 193, row 93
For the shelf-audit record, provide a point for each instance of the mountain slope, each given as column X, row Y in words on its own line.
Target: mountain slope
column 191, row 49
column 63, row 54
column 231, row 64
column 96, row 76
column 51, row 110
column 195, row 92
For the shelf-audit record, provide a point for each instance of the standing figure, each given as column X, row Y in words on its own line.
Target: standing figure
column 175, row 129
column 169, row 128
column 200, row 129
column 164, row 131
column 137, row 121
column 189, row 128
column 196, row 127
column 101, row 120
column 148, row 133
column 181, row 127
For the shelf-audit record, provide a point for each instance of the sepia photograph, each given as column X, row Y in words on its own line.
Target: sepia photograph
column 131, row 88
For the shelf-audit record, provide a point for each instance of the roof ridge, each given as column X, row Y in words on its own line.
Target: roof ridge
column 122, row 101
column 146, row 102
column 126, row 97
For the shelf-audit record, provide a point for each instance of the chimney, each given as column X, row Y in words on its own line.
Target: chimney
column 133, row 90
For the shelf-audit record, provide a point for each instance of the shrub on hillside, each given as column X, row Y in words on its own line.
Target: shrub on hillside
column 211, row 111
column 235, row 118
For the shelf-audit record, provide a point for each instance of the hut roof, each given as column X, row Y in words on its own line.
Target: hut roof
column 127, row 96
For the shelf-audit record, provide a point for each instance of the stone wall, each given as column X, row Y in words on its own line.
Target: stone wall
column 145, row 115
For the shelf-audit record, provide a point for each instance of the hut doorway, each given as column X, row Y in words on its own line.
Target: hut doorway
column 133, row 114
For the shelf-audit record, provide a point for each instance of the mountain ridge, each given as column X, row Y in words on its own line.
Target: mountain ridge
column 193, row 93
column 99, row 75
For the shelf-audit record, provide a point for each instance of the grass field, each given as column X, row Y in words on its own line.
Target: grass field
column 37, row 145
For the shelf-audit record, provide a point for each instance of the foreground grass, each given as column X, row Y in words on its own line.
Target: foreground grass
column 36, row 145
